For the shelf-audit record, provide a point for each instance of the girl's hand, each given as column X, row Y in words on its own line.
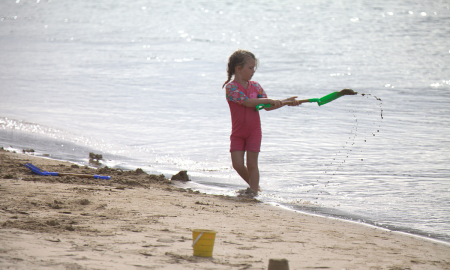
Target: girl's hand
column 293, row 102
column 276, row 103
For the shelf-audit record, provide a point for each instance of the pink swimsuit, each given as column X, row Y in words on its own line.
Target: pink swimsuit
column 246, row 126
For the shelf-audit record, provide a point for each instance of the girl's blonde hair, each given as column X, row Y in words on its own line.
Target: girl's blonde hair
column 238, row 58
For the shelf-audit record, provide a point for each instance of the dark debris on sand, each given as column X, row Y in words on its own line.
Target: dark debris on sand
column 12, row 167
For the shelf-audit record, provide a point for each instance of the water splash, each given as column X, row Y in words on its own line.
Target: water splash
column 347, row 150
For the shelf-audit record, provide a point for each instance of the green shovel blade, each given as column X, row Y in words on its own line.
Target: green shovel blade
column 329, row 98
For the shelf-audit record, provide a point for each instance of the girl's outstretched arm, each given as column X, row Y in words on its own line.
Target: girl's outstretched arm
column 291, row 99
column 253, row 102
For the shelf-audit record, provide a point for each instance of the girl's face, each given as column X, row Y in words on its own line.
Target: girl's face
column 246, row 72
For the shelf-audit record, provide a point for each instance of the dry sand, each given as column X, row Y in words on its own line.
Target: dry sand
column 141, row 221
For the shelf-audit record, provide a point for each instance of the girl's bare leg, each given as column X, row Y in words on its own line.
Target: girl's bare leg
column 237, row 158
column 253, row 170
column 249, row 173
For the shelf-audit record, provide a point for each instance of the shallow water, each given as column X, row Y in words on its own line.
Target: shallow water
column 134, row 82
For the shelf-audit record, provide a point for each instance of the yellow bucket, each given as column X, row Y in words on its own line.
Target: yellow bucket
column 203, row 242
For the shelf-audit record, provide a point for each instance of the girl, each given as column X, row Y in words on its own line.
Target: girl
column 243, row 96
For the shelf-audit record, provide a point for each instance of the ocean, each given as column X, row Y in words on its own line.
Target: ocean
column 140, row 83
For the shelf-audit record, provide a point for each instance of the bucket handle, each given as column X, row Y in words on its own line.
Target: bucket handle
column 198, row 238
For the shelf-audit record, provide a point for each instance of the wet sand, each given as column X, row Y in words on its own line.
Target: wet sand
column 141, row 221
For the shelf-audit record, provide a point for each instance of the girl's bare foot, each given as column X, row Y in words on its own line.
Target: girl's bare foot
column 247, row 192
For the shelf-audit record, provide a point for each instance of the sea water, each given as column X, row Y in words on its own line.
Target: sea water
column 140, row 82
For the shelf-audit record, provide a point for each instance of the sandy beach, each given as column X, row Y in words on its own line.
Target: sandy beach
column 141, row 221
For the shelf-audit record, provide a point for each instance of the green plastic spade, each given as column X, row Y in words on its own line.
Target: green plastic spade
column 320, row 101
column 335, row 95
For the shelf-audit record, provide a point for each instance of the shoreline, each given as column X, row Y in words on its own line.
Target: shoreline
column 371, row 223
column 136, row 220
column 343, row 219
column 290, row 207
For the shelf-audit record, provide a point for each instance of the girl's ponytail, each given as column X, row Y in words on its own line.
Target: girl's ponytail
column 230, row 72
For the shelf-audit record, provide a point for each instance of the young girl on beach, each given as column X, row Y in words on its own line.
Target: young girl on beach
column 243, row 96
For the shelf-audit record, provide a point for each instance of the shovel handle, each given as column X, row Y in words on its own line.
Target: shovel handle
column 85, row 175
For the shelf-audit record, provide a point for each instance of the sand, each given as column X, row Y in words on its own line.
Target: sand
column 141, row 221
